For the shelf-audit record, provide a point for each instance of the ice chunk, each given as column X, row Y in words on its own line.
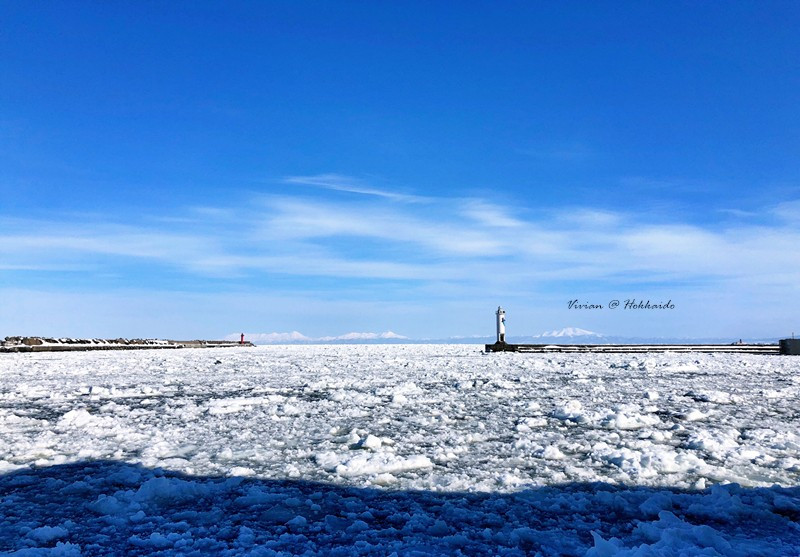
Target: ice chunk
column 74, row 418
column 369, row 442
column 398, row 399
column 46, row 534
column 327, row 460
column 384, row 479
column 382, row 463
column 571, row 410
column 628, row 416
column 528, row 424
column 242, row 471
column 716, row 443
column 297, row 524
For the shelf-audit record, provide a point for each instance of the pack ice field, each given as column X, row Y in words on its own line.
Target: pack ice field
column 647, row 436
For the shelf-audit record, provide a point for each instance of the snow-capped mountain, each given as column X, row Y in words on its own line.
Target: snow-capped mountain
column 365, row 336
column 568, row 332
column 295, row 336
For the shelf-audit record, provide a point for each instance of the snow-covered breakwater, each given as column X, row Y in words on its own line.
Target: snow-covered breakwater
column 45, row 344
column 434, row 449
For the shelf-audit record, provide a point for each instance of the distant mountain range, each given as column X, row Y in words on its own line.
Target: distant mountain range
column 269, row 338
column 297, row 337
column 569, row 332
column 388, row 335
column 567, row 335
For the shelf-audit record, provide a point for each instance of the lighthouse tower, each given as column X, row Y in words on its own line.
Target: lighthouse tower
column 501, row 325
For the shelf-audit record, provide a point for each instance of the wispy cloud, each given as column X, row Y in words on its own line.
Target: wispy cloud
column 788, row 211
column 442, row 232
column 740, row 213
column 349, row 184
column 454, row 242
column 490, row 215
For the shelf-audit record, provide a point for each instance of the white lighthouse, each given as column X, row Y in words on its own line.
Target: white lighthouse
column 501, row 325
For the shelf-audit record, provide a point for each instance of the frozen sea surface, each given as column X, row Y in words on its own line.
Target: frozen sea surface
column 412, row 450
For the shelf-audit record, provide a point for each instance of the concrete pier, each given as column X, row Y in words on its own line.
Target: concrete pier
column 786, row 346
column 636, row 348
column 790, row 346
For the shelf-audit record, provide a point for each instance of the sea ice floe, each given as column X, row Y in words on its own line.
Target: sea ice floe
column 422, row 420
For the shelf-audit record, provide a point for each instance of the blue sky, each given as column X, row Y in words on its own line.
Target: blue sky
column 199, row 169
